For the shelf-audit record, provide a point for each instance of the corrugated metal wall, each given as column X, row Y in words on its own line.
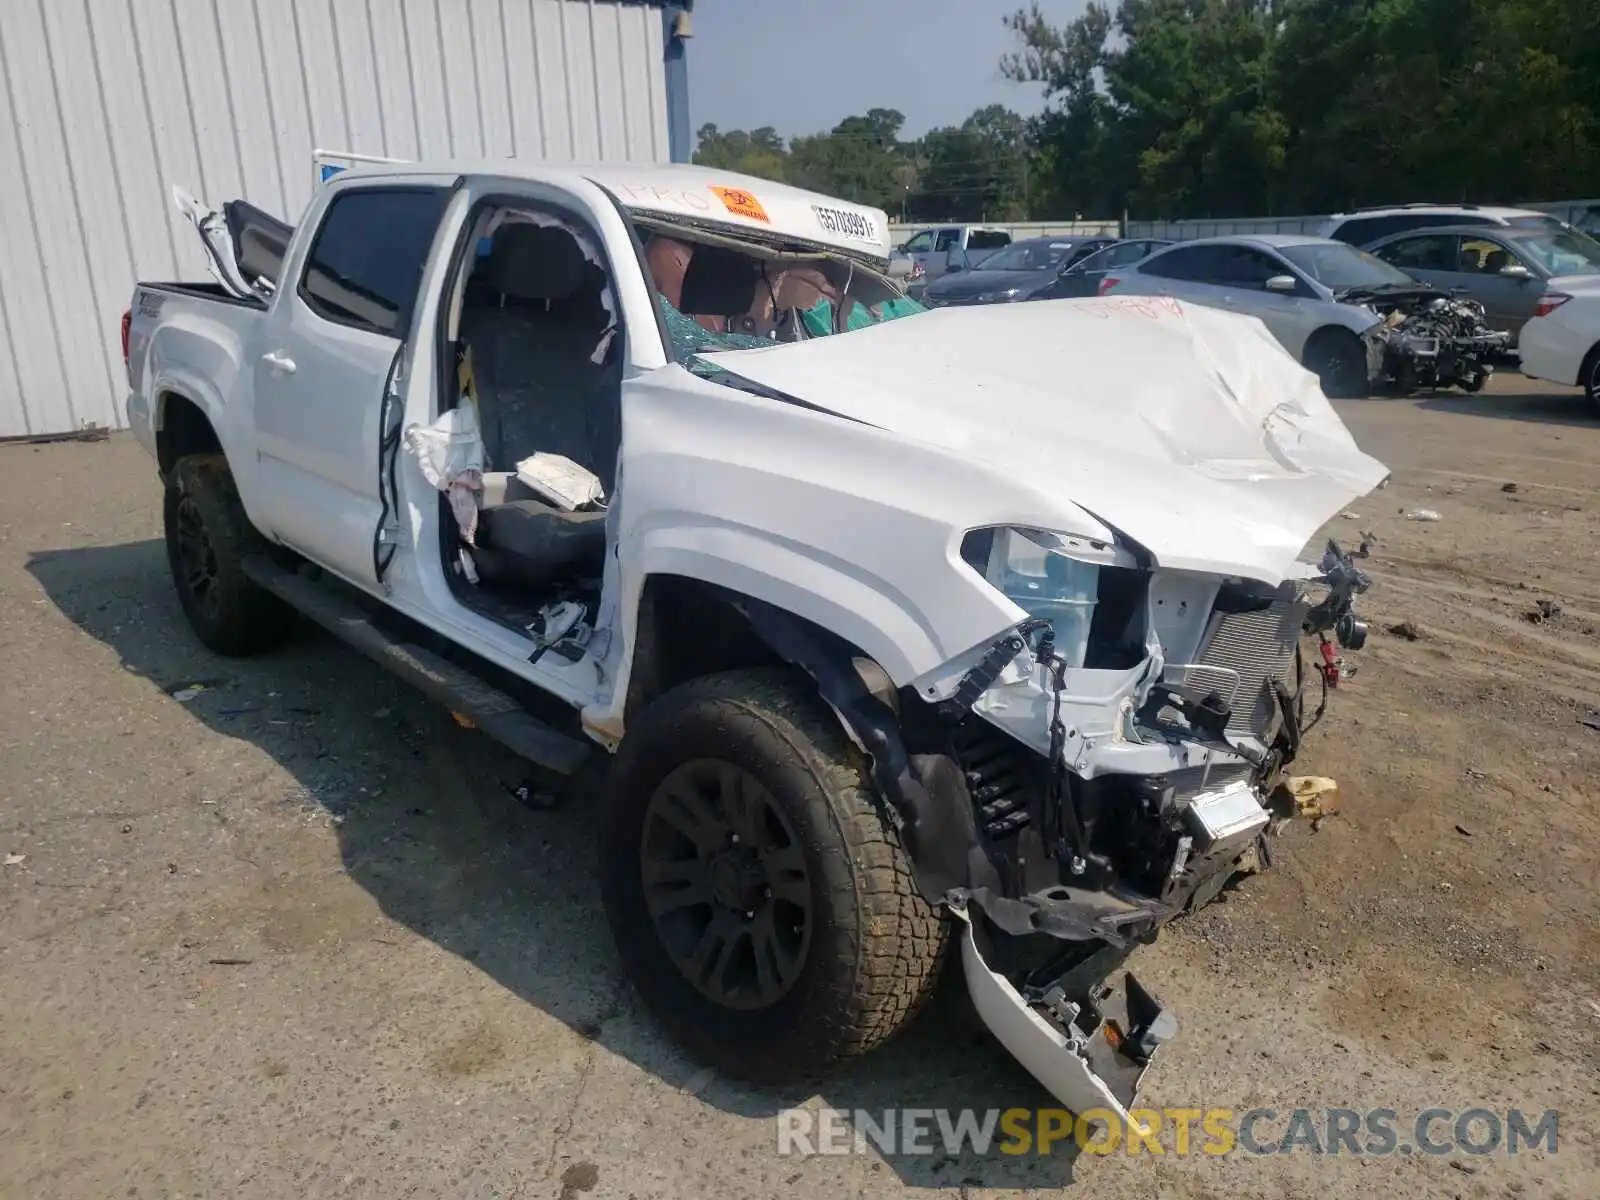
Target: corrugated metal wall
column 107, row 103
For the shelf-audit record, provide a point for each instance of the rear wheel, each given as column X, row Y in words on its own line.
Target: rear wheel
column 761, row 903
column 1589, row 377
column 208, row 537
column 1339, row 361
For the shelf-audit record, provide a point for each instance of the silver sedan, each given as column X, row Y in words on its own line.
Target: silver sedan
column 1312, row 293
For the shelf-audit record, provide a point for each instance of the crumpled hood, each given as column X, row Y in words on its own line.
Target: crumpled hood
column 1186, row 429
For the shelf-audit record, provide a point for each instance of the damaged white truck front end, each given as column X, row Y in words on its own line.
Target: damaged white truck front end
column 1061, row 545
column 1045, row 564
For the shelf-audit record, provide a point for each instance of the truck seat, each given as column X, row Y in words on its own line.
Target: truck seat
column 533, row 328
column 525, row 541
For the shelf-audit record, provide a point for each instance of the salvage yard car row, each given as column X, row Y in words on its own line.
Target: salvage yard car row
column 1419, row 296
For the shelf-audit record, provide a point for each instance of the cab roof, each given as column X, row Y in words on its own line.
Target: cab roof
column 690, row 194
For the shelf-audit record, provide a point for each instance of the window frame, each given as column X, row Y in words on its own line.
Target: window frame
column 1003, row 239
column 403, row 314
column 1501, row 244
column 1182, row 249
column 1453, row 258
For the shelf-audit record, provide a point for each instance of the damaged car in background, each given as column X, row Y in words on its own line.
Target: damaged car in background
column 1355, row 321
column 997, row 626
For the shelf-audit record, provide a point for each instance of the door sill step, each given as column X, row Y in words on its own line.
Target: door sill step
column 490, row 709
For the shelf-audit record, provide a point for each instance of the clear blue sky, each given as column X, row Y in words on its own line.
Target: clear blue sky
column 802, row 66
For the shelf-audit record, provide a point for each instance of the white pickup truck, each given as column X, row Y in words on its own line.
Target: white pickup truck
column 984, row 619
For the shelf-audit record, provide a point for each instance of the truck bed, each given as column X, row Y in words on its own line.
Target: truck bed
column 210, row 290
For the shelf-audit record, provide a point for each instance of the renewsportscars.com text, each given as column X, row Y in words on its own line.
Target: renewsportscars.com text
column 1375, row 1132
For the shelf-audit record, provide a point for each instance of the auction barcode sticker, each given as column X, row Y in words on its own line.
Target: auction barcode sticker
column 844, row 223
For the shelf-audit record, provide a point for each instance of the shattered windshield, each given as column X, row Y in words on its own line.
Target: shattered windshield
column 717, row 297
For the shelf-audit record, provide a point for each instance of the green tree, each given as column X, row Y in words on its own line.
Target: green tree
column 976, row 171
column 860, row 159
column 758, row 152
column 1245, row 107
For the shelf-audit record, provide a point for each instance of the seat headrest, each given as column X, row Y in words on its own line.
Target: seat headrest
column 535, row 262
column 668, row 260
column 720, row 283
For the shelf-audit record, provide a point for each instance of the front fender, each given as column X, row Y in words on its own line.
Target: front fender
column 854, row 603
column 846, row 525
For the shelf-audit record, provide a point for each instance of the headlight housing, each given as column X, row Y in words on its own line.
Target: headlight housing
column 1047, row 575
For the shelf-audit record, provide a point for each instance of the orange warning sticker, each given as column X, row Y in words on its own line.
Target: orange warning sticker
column 741, row 203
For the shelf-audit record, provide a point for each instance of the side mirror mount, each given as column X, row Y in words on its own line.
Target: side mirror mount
column 1516, row 271
column 955, row 259
column 1282, row 283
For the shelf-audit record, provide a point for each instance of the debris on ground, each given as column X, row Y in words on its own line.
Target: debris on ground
column 1463, row 831
column 1405, row 630
column 1313, row 796
column 1592, row 721
column 16, row 860
column 463, row 720
column 529, row 795
column 1422, row 514
column 1508, row 487
column 1474, row 773
column 699, row 1081
column 1350, row 516
column 230, row 962
column 1542, row 610
column 185, row 694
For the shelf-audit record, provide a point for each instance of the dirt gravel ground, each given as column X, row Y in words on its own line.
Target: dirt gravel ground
column 290, row 936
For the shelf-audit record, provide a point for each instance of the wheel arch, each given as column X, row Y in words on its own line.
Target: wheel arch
column 1330, row 329
column 927, row 804
column 183, row 427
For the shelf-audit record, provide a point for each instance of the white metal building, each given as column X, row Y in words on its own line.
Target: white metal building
column 108, row 103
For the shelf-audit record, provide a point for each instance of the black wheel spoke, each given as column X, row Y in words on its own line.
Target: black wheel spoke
column 786, row 871
column 777, row 965
column 197, row 556
column 670, row 886
column 708, row 961
column 725, row 882
column 687, row 811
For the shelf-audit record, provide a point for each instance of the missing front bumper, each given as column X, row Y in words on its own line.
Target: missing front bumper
column 1089, row 1051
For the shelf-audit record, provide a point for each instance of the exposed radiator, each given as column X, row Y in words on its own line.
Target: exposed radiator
column 1241, row 654
column 1189, row 782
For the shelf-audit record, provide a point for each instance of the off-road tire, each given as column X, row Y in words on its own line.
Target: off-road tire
column 239, row 618
column 876, row 945
column 1339, row 361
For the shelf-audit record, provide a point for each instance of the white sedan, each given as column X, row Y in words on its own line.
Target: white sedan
column 1561, row 343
